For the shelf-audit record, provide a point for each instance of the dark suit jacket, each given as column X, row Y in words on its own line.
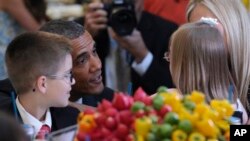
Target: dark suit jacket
column 93, row 100
column 156, row 33
column 61, row 117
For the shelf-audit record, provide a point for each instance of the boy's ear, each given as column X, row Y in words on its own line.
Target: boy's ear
column 42, row 84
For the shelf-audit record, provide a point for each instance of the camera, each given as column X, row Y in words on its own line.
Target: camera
column 121, row 16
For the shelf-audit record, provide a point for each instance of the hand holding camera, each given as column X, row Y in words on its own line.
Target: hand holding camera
column 118, row 14
column 95, row 18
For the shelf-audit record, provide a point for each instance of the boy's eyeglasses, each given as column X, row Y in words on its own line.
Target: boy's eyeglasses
column 68, row 76
column 166, row 56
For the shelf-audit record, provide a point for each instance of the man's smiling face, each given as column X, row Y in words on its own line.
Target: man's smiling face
column 86, row 65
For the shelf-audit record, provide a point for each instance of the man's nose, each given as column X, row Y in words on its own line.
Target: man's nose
column 95, row 63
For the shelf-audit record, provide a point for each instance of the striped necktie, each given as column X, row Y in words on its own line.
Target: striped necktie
column 44, row 131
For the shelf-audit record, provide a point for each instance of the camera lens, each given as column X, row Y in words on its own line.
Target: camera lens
column 123, row 22
column 121, row 16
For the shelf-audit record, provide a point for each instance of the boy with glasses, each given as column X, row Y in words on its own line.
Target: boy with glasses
column 39, row 66
column 87, row 66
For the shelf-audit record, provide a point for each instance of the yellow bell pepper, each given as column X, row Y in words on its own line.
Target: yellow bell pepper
column 193, row 117
column 207, row 128
column 223, row 107
column 211, row 114
column 179, row 135
column 197, row 97
column 201, row 108
column 223, row 124
column 173, row 100
column 212, row 140
column 142, row 126
column 195, row 136
column 170, row 97
column 246, row 3
column 139, row 138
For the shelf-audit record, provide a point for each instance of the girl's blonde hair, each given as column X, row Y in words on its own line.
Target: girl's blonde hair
column 198, row 61
column 236, row 23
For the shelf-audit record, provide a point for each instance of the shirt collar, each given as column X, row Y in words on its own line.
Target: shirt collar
column 78, row 101
column 29, row 119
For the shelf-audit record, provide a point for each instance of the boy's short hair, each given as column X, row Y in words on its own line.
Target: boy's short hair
column 33, row 54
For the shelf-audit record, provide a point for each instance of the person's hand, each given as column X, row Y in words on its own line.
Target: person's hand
column 132, row 43
column 95, row 18
column 81, row 107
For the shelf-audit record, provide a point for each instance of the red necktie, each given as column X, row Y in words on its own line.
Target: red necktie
column 45, row 129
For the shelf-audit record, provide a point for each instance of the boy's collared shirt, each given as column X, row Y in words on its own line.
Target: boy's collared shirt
column 27, row 118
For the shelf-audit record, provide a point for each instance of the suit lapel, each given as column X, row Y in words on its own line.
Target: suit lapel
column 63, row 117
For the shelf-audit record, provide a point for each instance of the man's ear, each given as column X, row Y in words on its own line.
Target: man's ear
column 42, row 84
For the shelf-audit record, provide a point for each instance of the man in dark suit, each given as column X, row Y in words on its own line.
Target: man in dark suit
column 39, row 67
column 147, row 44
column 87, row 67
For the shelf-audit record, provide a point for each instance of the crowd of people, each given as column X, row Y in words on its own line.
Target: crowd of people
column 57, row 68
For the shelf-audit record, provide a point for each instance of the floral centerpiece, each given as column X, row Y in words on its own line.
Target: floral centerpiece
column 165, row 116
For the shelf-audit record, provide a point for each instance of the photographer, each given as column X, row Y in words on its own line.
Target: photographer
column 146, row 44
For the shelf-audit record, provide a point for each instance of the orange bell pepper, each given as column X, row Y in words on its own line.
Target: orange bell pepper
column 87, row 123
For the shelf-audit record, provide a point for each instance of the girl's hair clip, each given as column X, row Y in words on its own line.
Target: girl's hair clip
column 210, row 21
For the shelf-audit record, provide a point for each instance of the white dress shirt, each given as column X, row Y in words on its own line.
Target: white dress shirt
column 27, row 118
column 142, row 67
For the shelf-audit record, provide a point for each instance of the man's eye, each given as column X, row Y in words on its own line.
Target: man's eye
column 82, row 60
column 95, row 52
